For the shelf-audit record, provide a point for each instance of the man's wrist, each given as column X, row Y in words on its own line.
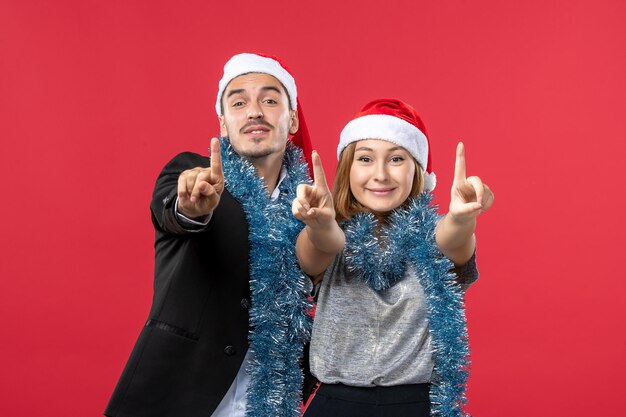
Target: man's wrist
column 186, row 219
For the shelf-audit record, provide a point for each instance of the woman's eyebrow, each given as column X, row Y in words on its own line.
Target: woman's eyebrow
column 366, row 149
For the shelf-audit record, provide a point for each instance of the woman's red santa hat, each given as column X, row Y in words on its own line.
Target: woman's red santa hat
column 394, row 121
column 247, row 63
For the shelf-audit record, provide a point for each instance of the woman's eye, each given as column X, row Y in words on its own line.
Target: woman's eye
column 364, row 159
column 397, row 159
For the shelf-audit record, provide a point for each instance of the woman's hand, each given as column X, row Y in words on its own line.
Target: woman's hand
column 313, row 204
column 469, row 196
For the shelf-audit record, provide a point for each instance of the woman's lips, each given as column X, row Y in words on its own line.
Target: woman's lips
column 380, row 191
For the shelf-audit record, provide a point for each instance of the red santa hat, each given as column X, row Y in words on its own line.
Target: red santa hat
column 394, row 121
column 247, row 63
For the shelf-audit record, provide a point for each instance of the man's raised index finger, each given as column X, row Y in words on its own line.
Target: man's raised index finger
column 216, row 159
column 319, row 177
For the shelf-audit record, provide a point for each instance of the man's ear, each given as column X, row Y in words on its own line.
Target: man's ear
column 223, row 131
column 293, row 122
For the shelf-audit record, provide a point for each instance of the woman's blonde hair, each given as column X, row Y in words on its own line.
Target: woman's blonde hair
column 346, row 205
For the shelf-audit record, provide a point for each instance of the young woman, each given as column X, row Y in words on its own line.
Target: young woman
column 389, row 336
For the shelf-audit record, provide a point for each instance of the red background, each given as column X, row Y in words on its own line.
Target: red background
column 96, row 96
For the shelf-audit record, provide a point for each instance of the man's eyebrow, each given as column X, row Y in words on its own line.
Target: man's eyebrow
column 271, row 88
column 242, row 90
column 233, row 92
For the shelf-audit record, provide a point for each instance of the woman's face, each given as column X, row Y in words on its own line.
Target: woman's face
column 381, row 175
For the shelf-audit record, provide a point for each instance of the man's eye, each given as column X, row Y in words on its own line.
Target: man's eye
column 270, row 101
column 237, row 104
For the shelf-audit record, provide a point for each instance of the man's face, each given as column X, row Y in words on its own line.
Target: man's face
column 257, row 117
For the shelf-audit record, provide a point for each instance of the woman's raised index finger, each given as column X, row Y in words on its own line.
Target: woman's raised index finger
column 319, row 177
column 459, row 164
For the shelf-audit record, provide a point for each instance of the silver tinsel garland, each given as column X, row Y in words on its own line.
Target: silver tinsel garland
column 280, row 317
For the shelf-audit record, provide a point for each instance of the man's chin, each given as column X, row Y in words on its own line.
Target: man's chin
column 256, row 149
column 256, row 154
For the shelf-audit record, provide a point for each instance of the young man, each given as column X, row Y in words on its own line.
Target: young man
column 230, row 313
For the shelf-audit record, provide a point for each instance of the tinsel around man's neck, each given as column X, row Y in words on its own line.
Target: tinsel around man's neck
column 278, row 330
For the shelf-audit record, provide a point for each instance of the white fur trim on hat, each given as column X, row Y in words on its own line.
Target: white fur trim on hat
column 394, row 130
column 251, row 63
column 389, row 128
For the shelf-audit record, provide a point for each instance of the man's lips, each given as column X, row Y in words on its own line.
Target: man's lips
column 254, row 129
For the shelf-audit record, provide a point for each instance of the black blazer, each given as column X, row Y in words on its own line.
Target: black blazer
column 196, row 335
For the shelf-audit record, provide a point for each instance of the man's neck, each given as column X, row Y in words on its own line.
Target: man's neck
column 268, row 169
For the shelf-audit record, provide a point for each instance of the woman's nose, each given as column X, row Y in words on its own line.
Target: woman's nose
column 381, row 173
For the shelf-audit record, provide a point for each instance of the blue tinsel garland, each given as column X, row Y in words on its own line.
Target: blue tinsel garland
column 279, row 314
column 379, row 255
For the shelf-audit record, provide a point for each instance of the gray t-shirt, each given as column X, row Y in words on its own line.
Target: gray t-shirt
column 362, row 337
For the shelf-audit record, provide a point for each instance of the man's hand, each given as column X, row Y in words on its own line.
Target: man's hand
column 469, row 196
column 199, row 189
column 313, row 204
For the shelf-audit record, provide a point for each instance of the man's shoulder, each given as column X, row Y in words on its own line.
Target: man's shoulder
column 185, row 158
column 184, row 161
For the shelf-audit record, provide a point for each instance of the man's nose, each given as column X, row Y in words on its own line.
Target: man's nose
column 254, row 111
